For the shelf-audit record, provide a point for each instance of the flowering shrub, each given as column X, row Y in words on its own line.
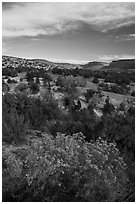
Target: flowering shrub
column 64, row 168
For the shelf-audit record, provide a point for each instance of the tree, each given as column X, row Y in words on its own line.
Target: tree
column 95, row 80
column 37, row 80
column 133, row 93
column 108, row 107
column 34, row 88
column 14, row 81
column 66, row 102
column 60, row 81
column 29, row 77
column 46, row 80
column 89, row 94
column 9, row 81
column 122, row 106
column 9, row 71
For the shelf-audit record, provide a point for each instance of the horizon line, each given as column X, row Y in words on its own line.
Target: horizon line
column 69, row 60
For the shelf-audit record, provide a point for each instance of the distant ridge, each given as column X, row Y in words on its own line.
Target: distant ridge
column 122, row 64
column 37, row 60
column 27, row 59
column 95, row 65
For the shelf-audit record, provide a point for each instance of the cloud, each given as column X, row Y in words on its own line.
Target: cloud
column 125, row 37
column 71, row 61
column 114, row 57
column 33, row 19
column 103, row 58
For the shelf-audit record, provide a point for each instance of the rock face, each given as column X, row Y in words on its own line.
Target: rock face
column 122, row 64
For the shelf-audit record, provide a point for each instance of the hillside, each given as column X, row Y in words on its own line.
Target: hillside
column 95, row 65
column 125, row 64
column 10, row 61
column 15, row 62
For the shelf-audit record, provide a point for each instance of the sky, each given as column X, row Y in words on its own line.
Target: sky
column 69, row 31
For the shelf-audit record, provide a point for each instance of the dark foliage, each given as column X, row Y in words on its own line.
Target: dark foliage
column 95, row 80
column 118, row 77
column 47, row 79
column 34, row 110
column 108, row 107
column 9, row 81
column 115, row 88
column 14, row 127
column 89, row 94
column 29, row 77
column 133, row 93
column 37, row 80
column 34, row 87
column 121, row 129
column 9, row 71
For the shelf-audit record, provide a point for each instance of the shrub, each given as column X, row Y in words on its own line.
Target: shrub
column 64, row 168
column 21, row 87
column 21, row 79
column 9, row 81
column 89, row 94
column 34, row 110
column 5, row 87
column 108, row 107
column 37, row 80
column 47, row 79
column 9, row 71
column 95, row 80
column 12, row 168
column 121, row 129
column 29, row 77
column 14, row 128
column 122, row 106
column 14, row 81
column 133, row 93
column 60, row 81
column 34, row 88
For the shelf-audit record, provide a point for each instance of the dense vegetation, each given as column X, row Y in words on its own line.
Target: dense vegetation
column 9, row 71
column 64, row 168
column 117, row 77
column 21, row 113
column 56, row 150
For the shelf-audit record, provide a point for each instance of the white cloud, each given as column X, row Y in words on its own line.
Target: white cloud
column 125, row 37
column 110, row 58
column 71, row 61
column 33, row 19
column 103, row 58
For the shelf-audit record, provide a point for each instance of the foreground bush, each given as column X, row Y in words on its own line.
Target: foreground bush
column 120, row 128
column 14, row 127
column 65, row 168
